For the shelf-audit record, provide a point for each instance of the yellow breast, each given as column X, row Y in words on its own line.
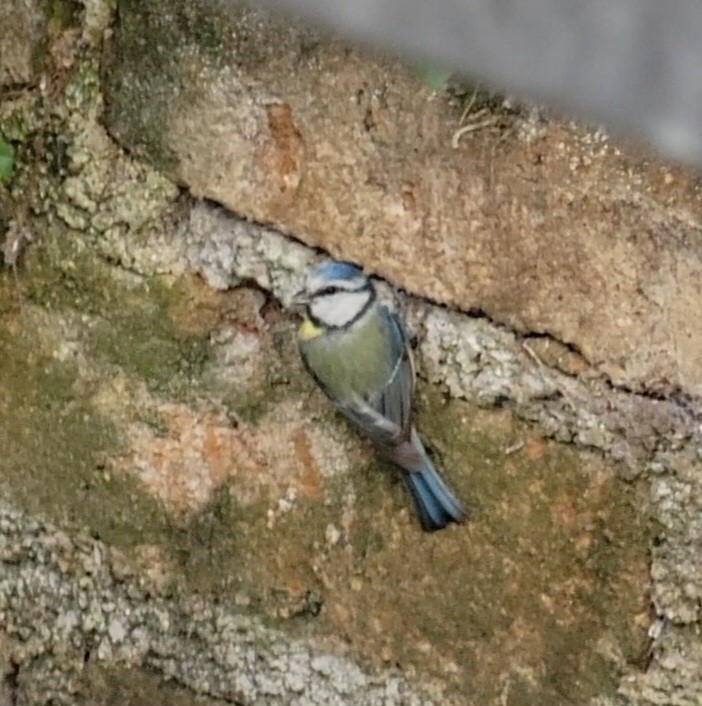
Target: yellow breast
column 308, row 330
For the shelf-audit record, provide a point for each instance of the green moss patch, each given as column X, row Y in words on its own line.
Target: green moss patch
column 143, row 80
column 55, row 449
column 540, row 598
column 132, row 326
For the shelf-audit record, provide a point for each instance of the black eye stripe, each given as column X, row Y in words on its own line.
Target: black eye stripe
column 335, row 289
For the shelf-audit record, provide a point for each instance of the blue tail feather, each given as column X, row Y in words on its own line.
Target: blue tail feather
column 436, row 505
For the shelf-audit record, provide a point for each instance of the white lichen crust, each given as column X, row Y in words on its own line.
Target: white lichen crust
column 66, row 599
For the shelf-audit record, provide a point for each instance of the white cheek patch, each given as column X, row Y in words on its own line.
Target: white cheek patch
column 339, row 309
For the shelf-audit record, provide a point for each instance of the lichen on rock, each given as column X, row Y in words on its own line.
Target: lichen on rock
column 244, row 542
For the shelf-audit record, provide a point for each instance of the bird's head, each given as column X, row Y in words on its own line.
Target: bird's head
column 336, row 294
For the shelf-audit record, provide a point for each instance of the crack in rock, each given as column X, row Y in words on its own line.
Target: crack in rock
column 474, row 358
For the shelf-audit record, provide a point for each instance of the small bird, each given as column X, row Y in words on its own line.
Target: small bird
column 356, row 349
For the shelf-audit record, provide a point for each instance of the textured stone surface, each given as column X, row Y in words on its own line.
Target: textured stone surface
column 245, row 544
column 200, row 483
column 340, row 539
column 64, row 602
column 472, row 357
column 676, row 496
column 562, row 234
column 22, row 33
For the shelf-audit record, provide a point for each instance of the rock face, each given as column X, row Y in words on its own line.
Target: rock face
column 22, row 34
column 180, row 504
column 560, row 234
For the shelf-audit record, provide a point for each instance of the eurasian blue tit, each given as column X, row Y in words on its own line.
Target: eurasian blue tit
column 356, row 349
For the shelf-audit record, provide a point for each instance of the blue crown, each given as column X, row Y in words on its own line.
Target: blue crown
column 337, row 270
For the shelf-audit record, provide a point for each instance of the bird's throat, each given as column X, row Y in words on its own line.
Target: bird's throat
column 308, row 330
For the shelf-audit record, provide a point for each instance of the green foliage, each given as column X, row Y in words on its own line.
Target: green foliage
column 7, row 161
